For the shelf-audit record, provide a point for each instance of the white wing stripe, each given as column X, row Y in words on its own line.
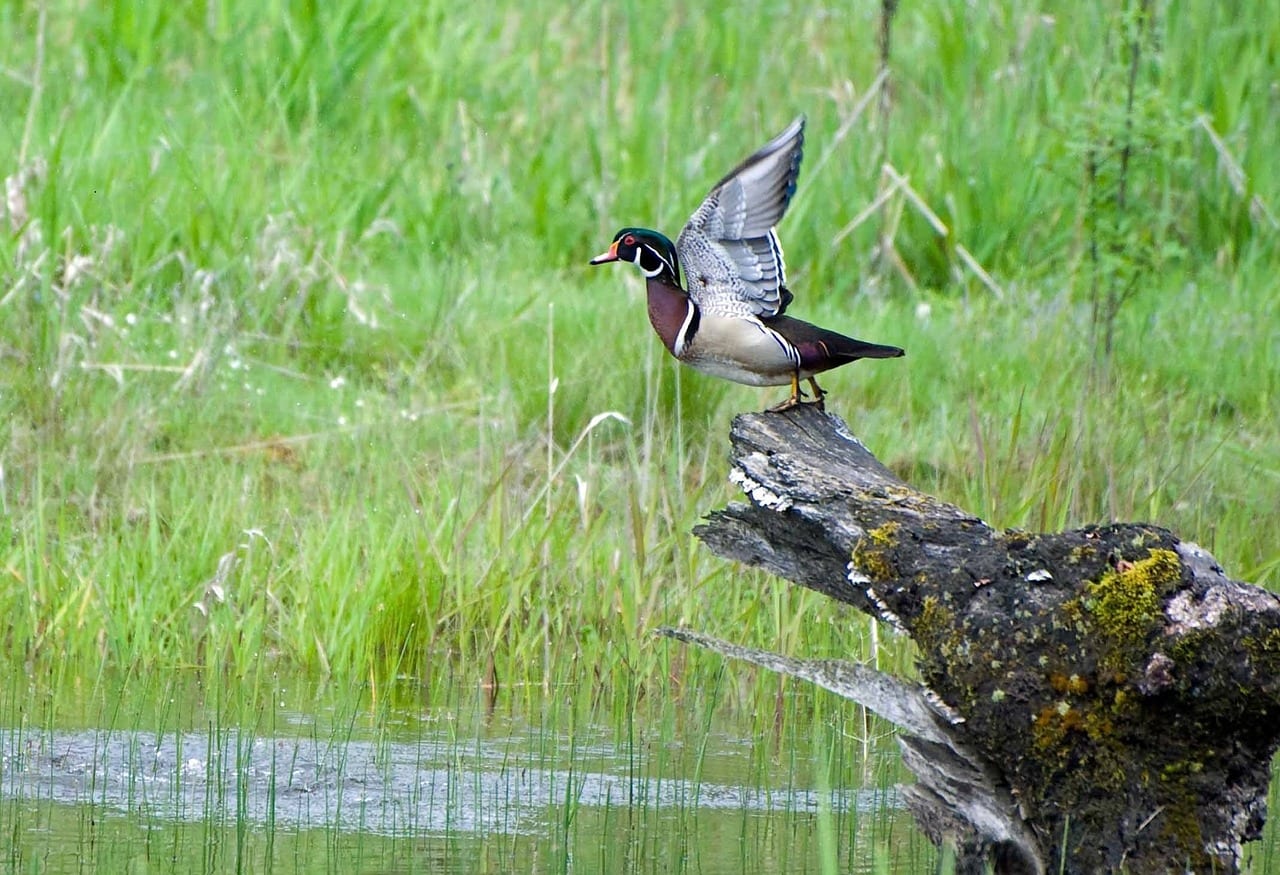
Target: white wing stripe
column 788, row 348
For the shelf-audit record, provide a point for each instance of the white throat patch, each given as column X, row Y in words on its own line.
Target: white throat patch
column 682, row 336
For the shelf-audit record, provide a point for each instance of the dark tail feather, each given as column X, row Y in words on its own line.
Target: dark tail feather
column 860, row 349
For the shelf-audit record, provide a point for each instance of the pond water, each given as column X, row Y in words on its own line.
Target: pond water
column 178, row 785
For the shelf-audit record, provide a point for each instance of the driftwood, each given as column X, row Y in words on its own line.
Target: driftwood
column 1096, row 700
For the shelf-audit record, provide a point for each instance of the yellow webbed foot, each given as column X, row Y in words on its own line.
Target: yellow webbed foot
column 793, row 401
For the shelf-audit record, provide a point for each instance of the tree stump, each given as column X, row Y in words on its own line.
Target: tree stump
column 1092, row 700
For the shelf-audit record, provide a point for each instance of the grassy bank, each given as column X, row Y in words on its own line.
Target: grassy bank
column 300, row 358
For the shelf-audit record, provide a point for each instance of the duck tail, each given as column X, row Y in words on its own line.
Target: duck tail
column 860, row 349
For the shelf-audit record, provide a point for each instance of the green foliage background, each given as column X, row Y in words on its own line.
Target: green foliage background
column 300, row 359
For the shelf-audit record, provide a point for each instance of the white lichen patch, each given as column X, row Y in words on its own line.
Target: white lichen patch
column 1186, row 613
column 1042, row 574
column 856, row 577
column 951, row 715
column 882, row 607
column 760, row 495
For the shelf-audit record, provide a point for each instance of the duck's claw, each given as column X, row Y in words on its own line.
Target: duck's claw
column 796, row 395
column 793, row 401
column 818, row 394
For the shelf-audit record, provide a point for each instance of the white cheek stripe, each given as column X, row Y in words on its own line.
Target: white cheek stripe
column 650, row 274
column 679, row 345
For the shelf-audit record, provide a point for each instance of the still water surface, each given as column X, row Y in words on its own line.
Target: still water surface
column 434, row 789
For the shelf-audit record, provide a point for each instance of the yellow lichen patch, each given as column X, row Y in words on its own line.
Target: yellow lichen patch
column 1052, row 724
column 1123, row 606
column 872, row 563
column 884, row 535
column 1055, row 724
column 1064, row 683
column 871, row 554
column 1080, row 554
column 1145, row 537
column 1126, row 602
column 1099, row 727
column 1264, row 649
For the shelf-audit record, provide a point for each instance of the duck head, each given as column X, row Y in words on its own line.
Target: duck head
column 650, row 251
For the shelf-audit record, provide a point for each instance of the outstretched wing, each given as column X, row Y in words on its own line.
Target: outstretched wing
column 730, row 252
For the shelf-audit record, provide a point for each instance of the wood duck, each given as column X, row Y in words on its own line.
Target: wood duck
column 728, row 319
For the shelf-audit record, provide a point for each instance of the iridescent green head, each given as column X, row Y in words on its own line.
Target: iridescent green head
column 648, row 250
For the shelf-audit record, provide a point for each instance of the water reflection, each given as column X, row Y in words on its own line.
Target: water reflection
column 432, row 785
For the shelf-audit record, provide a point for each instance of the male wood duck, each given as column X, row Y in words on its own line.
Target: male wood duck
column 728, row 320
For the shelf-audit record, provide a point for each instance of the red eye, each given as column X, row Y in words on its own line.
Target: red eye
column 629, row 240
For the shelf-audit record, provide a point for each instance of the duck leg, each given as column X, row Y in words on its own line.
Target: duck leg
column 818, row 394
column 793, row 400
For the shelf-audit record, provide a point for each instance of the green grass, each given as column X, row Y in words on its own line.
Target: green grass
column 301, row 363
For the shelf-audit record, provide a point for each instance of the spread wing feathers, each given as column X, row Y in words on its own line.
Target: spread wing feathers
column 731, row 255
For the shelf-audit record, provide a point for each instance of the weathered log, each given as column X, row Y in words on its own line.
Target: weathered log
column 956, row 787
column 1113, row 694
